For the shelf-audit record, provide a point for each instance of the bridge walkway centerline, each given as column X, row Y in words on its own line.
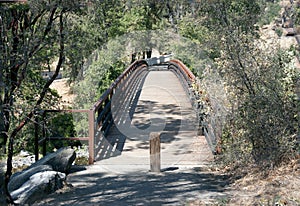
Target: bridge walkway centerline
column 158, row 103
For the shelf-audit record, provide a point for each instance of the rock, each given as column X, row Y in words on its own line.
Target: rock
column 290, row 32
column 38, row 185
column 24, row 153
column 23, row 162
column 61, row 160
column 2, row 194
column 19, row 178
column 42, row 177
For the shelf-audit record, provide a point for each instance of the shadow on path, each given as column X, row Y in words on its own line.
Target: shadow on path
column 168, row 188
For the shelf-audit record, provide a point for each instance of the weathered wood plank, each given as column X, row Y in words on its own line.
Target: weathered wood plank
column 155, row 162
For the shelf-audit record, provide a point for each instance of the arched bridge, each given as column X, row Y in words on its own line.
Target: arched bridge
column 149, row 96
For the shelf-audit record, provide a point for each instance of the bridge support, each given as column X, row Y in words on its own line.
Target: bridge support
column 155, row 152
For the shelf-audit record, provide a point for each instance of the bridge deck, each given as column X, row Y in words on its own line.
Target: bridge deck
column 160, row 106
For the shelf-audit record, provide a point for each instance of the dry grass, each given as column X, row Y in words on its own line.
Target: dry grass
column 280, row 186
column 252, row 186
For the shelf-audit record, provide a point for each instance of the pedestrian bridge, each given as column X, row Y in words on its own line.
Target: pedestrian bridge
column 149, row 96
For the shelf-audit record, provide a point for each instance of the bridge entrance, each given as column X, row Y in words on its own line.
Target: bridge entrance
column 160, row 104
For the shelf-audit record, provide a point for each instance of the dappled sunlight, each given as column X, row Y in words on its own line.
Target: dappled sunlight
column 142, row 189
column 156, row 103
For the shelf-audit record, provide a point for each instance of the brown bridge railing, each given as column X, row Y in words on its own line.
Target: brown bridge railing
column 191, row 84
column 99, row 116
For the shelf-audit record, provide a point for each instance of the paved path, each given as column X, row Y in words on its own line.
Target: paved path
column 122, row 177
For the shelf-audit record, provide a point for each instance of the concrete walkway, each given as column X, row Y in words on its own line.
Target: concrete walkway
column 122, row 177
column 163, row 107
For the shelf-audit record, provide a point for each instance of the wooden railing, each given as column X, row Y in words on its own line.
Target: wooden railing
column 185, row 76
column 192, row 87
column 99, row 115
column 102, row 109
column 40, row 120
column 186, row 72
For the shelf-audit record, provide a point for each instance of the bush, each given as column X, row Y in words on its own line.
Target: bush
column 271, row 12
column 261, row 88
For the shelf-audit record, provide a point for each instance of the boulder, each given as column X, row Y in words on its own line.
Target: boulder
column 61, row 160
column 43, row 177
column 38, row 185
column 19, row 178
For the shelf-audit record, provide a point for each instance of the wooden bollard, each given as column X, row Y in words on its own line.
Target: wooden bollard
column 155, row 152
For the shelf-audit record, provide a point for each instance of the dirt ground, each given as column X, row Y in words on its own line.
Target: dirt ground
column 280, row 187
column 63, row 89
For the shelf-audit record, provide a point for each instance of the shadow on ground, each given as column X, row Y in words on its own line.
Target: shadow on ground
column 171, row 121
column 168, row 188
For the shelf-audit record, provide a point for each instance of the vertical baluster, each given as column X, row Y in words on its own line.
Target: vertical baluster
column 44, row 134
column 36, row 136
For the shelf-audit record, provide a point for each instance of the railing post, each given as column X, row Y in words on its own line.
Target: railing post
column 91, row 136
column 36, row 137
column 44, row 137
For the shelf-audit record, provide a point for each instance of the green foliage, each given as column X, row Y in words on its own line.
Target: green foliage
column 60, row 125
column 97, row 78
column 279, row 32
column 297, row 15
column 271, row 11
column 191, row 54
column 193, row 30
column 227, row 16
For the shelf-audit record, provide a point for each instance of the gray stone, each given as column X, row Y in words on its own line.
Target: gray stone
column 37, row 186
column 2, row 194
column 19, row 178
column 39, row 179
column 61, row 160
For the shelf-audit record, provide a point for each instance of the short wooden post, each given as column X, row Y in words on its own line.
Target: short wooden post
column 155, row 152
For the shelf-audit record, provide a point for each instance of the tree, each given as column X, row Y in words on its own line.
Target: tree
column 259, row 81
column 31, row 36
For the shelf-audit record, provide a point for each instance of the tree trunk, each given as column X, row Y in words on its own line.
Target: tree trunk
column 4, row 128
column 30, row 115
column 149, row 54
column 133, row 57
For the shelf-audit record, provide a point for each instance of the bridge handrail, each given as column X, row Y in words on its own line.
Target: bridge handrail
column 109, row 91
column 100, row 116
column 184, row 69
column 45, row 138
column 187, row 78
